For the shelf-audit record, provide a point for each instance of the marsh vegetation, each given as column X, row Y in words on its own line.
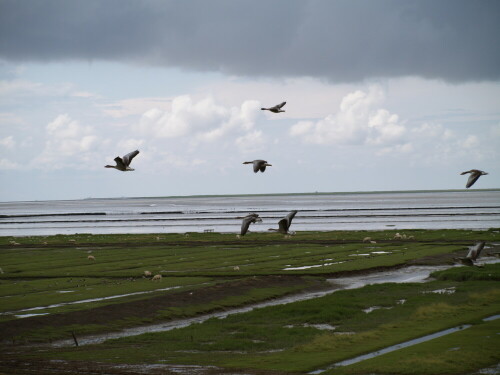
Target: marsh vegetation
column 50, row 290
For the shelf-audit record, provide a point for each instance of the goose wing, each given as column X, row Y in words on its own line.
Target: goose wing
column 119, row 163
column 258, row 165
column 290, row 216
column 245, row 224
column 475, row 250
column 472, row 179
column 247, row 220
column 279, row 106
column 283, row 226
column 127, row 159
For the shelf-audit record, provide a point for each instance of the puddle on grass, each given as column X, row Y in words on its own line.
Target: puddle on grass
column 313, row 266
column 402, row 345
column 409, row 274
column 373, row 308
column 449, row 290
column 493, row 317
column 493, row 370
column 30, row 315
column 321, row 327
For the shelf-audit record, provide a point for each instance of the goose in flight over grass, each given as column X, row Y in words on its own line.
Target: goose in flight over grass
column 474, row 175
column 284, row 224
column 276, row 108
column 247, row 220
column 122, row 164
column 259, row 165
column 473, row 254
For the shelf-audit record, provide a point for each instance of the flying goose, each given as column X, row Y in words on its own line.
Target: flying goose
column 474, row 175
column 122, row 164
column 247, row 220
column 473, row 254
column 276, row 108
column 259, row 165
column 284, row 224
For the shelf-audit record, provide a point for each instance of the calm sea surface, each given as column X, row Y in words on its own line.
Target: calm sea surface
column 472, row 209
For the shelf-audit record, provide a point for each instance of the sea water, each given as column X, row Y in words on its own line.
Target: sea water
column 474, row 209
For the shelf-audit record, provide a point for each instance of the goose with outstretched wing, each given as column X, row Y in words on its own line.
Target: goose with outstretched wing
column 259, row 165
column 284, row 224
column 474, row 176
column 276, row 108
column 247, row 220
column 473, row 254
column 123, row 164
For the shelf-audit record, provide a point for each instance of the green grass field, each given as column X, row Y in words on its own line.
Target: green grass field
column 199, row 277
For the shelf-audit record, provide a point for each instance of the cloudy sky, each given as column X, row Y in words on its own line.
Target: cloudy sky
column 381, row 95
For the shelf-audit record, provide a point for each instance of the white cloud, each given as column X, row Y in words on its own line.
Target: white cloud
column 435, row 144
column 403, row 148
column 85, row 95
column 251, row 142
column 201, row 121
column 387, row 128
column 6, row 164
column 130, row 144
column 470, row 142
column 10, row 119
column 358, row 121
column 22, row 87
column 134, row 106
column 495, row 130
column 8, row 142
column 64, row 127
column 68, row 144
column 362, row 121
column 17, row 86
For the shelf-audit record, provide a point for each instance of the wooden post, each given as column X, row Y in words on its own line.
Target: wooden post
column 74, row 338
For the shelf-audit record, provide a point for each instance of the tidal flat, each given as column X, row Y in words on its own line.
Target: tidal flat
column 51, row 291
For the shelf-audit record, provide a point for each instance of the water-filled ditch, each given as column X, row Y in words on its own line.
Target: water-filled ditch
column 410, row 274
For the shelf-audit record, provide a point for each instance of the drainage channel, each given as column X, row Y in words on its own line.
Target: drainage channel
column 86, row 301
column 409, row 274
column 402, row 345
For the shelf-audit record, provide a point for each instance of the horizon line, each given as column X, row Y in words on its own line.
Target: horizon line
column 263, row 194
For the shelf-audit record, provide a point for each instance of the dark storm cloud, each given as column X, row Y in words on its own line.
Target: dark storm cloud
column 346, row 40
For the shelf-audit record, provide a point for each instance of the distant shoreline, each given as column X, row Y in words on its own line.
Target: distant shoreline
column 268, row 195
